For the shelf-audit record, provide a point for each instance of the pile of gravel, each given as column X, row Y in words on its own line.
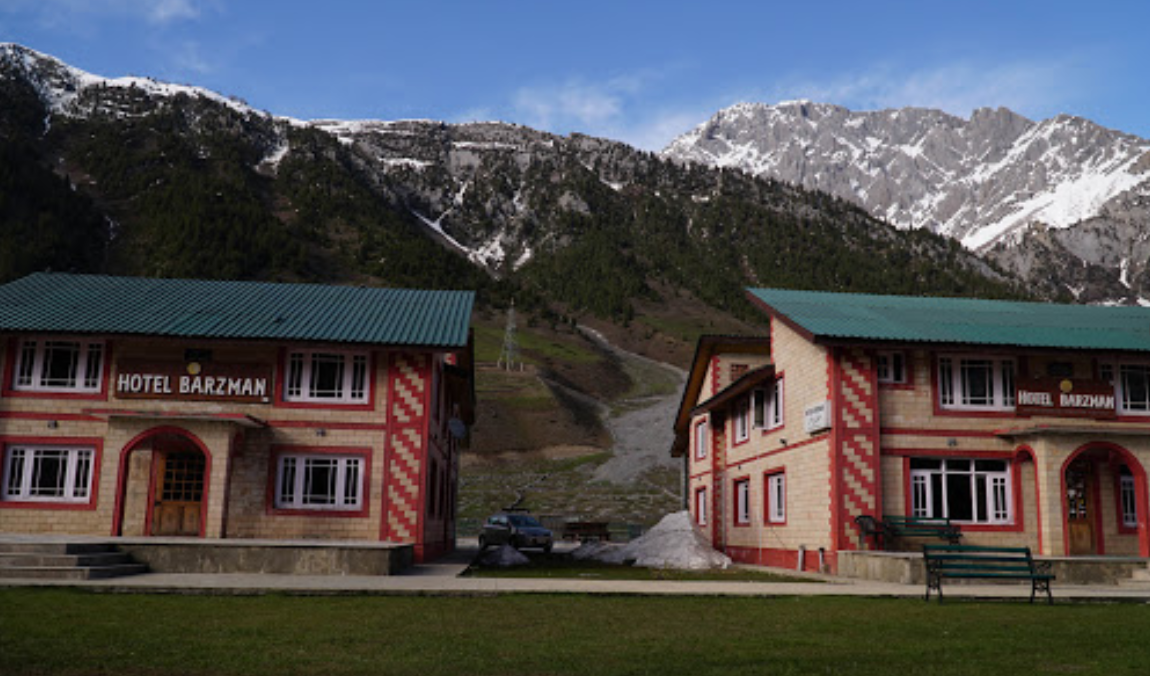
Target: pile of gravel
column 675, row 542
column 504, row 556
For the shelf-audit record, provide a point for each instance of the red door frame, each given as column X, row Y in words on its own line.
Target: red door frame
column 122, row 478
column 1140, row 493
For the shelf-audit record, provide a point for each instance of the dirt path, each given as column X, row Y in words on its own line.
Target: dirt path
column 642, row 423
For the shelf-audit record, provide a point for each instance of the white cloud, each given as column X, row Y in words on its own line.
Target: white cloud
column 573, row 105
column 165, row 11
column 1035, row 88
column 66, row 12
column 188, row 57
column 618, row 108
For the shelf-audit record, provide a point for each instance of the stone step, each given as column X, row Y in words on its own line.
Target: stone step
column 60, row 559
column 35, row 559
column 72, row 572
column 56, row 548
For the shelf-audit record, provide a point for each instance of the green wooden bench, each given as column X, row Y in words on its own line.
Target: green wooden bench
column 922, row 527
column 870, row 527
column 586, row 530
column 985, row 563
column 882, row 532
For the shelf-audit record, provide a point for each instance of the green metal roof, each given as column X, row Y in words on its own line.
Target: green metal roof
column 187, row 308
column 851, row 316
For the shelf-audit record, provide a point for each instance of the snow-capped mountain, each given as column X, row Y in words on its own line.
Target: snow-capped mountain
column 995, row 181
column 143, row 177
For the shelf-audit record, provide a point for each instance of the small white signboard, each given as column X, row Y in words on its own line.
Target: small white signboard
column 817, row 418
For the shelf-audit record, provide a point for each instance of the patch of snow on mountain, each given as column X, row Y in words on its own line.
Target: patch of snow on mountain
column 491, row 254
column 491, row 145
column 523, row 259
column 273, row 159
column 404, row 162
column 1067, row 203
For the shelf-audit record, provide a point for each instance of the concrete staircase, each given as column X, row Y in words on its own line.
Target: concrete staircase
column 65, row 561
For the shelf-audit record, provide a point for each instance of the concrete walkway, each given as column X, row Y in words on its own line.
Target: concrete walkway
column 442, row 577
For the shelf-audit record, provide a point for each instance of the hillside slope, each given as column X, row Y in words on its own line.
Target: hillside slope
column 180, row 181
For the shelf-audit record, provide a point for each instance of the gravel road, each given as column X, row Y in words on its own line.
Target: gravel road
column 642, row 427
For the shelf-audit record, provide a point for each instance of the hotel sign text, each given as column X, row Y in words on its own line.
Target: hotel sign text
column 244, row 383
column 1066, row 398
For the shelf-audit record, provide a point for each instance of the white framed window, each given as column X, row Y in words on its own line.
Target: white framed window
column 319, row 481
column 59, row 365
column 701, row 434
column 324, row 376
column 1106, row 372
column 1133, row 388
column 891, row 367
column 963, row 490
column 701, row 506
column 743, row 502
column 1127, row 498
column 47, row 473
column 742, row 420
column 768, row 406
column 976, row 383
column 777, row 497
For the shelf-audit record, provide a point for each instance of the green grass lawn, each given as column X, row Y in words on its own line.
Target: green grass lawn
column 71, row 632
column 558, row 566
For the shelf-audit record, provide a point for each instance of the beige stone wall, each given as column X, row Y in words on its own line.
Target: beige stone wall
column 911, row 426
column 807, row 499
column 248, row 516
column 140, row 468
column 251, row 514
column 803, row 457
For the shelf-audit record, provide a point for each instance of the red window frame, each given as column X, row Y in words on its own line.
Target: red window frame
column 364, row 509
column 96, row 443
column 767, row 511
column 281, row 400
column 8, row 389
column 738, row 515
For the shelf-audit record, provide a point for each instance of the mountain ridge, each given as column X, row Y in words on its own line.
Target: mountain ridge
column 1003, row 184
column 578, row 224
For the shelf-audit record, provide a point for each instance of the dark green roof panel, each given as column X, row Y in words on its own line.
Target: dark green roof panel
column 852, row 316
column 95, row 304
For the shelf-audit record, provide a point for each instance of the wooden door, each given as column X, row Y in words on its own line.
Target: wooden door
column 1080, row 506
column 179, row 494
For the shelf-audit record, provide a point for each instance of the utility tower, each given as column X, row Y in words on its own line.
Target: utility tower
column 509, row 355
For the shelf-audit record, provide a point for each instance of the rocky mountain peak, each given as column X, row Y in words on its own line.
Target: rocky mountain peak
column 984, row 180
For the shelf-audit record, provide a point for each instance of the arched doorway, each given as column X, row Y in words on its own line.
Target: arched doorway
column 1084, row 528
column 176, row 500
column 1084, row 473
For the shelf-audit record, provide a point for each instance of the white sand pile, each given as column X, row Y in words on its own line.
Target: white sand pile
column 504, row 556
column 674, row 542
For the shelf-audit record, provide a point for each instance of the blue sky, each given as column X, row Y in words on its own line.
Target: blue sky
column 637, row 71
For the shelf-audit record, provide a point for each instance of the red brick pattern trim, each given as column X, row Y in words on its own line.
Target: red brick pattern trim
column 409, row 380
column 857, row 451
column 782, row 558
